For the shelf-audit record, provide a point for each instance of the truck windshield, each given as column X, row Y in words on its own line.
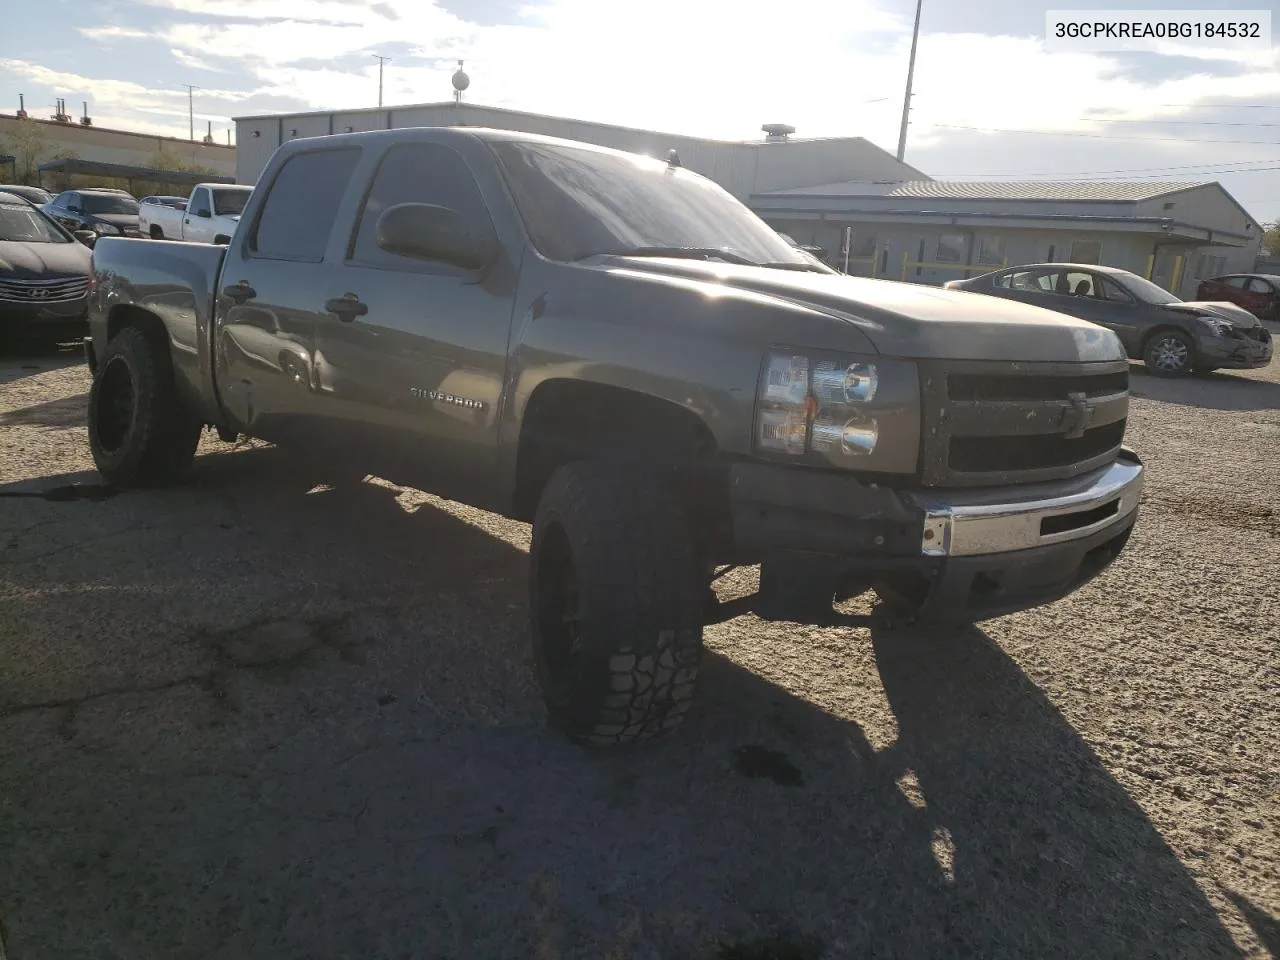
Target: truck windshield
column 25, row 225
column 97, row 203
column 229, row 203
column 577, row 202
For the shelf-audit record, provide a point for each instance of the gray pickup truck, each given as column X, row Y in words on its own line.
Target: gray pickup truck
column 614, row 349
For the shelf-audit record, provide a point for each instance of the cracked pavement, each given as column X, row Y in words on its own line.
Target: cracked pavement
column 268, row 714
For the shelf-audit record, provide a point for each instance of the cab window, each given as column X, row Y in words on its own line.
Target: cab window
column 302, row 204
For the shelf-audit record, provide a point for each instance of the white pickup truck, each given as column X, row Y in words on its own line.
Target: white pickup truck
column 212, row 213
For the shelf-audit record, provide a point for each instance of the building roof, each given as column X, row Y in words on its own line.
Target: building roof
column 508, row 111
column 1114, row 191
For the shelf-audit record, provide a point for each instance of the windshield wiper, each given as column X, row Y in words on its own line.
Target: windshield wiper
column 792, row 265
column 699, row 253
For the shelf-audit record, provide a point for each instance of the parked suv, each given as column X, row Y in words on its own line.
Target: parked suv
column 108, row 213
column 1259, row 293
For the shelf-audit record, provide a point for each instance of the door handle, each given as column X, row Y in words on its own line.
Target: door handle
column 239, row 292
column 347, row 307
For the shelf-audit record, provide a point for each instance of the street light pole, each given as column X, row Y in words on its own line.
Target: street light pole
column 381, row 61
column 911, row 69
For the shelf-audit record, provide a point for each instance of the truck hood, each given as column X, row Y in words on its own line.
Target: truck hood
column 1239, row 316
column 43, row 261
column 910, row 320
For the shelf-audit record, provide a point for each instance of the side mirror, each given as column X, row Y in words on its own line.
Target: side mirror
column 87, row 237
column 202, row 212
column 221, row 240
column 425, row 231
column 72, row 208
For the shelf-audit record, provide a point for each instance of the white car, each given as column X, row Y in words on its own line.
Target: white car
column 212, row 213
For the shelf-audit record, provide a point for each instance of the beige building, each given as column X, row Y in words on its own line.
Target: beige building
column 110, row 146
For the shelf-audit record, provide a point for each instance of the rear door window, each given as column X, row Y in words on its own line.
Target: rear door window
column 1029, row 281
column 299, row 212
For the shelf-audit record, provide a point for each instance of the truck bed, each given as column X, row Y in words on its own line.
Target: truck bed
column 175, row 281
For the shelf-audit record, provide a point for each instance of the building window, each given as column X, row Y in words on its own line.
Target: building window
column 1086, row 251
column 991, row 250
column 863, row 245
column 950, row 248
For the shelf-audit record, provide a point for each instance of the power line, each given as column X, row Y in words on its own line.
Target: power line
column 1193, row 123
column 1049, row 178
column 1096, row 136
column 1071, row 173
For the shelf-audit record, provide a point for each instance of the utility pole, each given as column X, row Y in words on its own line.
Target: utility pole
column 381, row 61
column 191, row 119
column 911, row 70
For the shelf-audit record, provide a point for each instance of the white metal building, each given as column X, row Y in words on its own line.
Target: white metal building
column 931, row 231
column 777, row 162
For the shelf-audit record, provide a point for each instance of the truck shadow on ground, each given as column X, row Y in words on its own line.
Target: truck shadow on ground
column 1222, row 390
column 62, row 414
column 21, row 360
column 340, row 752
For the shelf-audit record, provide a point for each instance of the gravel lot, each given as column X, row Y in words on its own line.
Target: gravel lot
column 259, row 717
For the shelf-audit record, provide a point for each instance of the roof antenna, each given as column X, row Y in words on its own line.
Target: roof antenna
column 673, row 159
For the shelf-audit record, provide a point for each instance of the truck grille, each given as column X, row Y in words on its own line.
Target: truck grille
column 993, row 423
column 44, row 291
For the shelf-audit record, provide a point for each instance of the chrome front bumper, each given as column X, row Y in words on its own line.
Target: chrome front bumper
column 978, row 523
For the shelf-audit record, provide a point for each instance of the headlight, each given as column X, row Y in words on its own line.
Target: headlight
column 104, row 229
column 1217, row 326
column 852, row 412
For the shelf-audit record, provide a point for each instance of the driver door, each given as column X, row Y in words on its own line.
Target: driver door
column 197, row 219
column 411, row 359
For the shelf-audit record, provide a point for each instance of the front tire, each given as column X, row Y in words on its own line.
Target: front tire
column 140, row 431
column 615, row 604
column 1169, row 353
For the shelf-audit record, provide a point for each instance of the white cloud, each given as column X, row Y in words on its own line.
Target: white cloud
column 112, row 33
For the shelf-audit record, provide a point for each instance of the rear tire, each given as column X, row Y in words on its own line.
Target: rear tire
column 615, row 604
column 140, row 431
column 1169, row 353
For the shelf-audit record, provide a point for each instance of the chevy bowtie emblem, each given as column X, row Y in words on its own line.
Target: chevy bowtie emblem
column 1077, row 417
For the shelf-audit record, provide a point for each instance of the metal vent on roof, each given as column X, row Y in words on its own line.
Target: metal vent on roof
column 777, row 132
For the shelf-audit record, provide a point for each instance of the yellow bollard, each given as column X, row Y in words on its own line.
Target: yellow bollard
column 1151, row 265
column 875, row 260
column 905, row 255
column 1177, row 276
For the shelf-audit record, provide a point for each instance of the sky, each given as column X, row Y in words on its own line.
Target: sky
column 989, row 103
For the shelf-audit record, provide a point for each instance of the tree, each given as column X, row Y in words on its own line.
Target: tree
column 29, row 142
column 165, row 157
column 1271, row 239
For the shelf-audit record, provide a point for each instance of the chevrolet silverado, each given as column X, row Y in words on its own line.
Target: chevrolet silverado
column 614, row 349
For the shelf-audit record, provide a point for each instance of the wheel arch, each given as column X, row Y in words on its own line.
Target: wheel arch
column 567, row 420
